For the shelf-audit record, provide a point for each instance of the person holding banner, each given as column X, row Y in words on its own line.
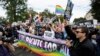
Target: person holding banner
column 78, row 43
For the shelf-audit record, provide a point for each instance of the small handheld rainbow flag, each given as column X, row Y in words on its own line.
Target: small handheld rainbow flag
column 59, row 10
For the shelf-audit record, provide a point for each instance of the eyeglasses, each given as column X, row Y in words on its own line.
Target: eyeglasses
column 78, row 32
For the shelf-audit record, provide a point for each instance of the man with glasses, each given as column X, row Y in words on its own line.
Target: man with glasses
column 79, row 44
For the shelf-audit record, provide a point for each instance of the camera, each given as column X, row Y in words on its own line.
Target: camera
column 7, row 39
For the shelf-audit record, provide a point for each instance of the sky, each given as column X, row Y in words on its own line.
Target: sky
column 81, row 7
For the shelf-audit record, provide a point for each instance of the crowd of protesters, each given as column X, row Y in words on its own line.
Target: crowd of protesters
column 80, row 40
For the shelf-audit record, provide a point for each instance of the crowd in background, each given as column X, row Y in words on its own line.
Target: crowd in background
column 58, row 30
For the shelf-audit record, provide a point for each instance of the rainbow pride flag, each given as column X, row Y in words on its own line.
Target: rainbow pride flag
column 59, row 10
column 38, row 51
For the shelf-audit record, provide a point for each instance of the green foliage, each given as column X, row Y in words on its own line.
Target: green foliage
column 2, row 20
column 47, row 13
column 61, row 17
column 96, row 9
column 16, row 9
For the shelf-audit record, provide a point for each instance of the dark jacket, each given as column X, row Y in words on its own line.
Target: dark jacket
column 9, row 32
column 98, row 40
column 70, row 33
column 4, row 51
column 85, row 48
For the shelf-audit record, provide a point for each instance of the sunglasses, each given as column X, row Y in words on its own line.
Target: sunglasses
column 78, row 32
